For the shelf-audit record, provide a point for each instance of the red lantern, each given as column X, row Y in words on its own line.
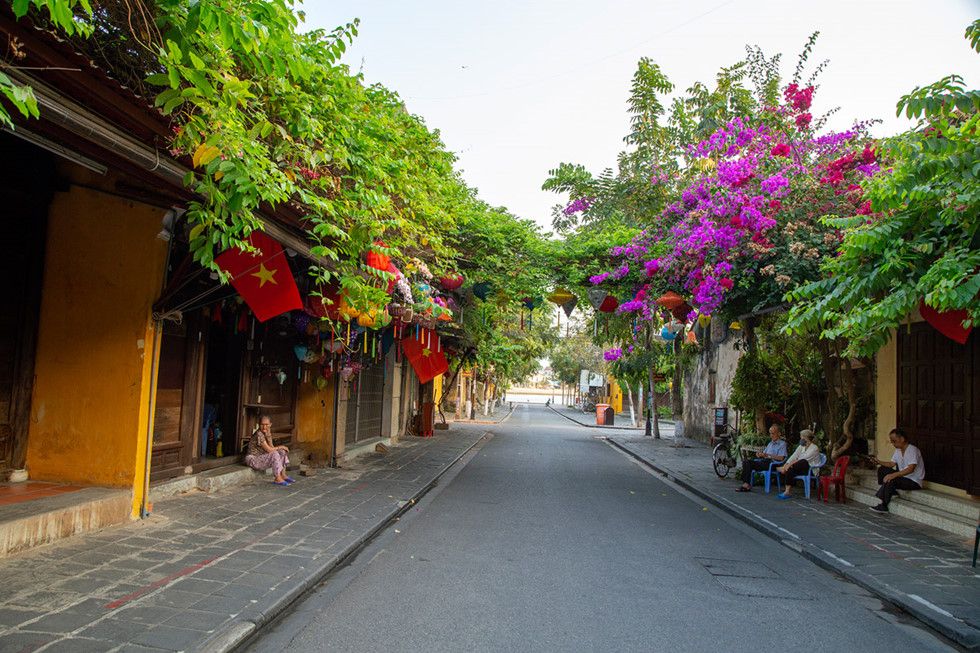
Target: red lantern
column 609, row 304
column 377, row 260
column 451, row 282
column 670, row 300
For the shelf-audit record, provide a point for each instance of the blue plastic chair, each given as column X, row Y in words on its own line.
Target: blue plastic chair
column 769, row 474
column 813, row 474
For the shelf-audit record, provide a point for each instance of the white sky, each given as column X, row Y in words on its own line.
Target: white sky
column 517, row 87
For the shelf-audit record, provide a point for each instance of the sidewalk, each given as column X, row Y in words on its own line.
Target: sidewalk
column 496, row 416
column 206, row 570
column 922, row 570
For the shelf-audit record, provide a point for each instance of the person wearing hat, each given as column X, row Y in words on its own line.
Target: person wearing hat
column 806, row 455
column 905, row 471
column 263, row 453
column 775, row 451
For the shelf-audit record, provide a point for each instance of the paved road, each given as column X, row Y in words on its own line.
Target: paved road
column 550, row 540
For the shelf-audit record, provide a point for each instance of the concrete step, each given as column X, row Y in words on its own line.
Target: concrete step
column 917, row 512
column 209, row 481
column 968, row 509
column 41, row 521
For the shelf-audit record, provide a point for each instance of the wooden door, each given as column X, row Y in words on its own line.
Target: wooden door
column 177, row 414
column 938, row 403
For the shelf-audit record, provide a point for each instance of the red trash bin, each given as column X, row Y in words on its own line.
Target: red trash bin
column 601, row 412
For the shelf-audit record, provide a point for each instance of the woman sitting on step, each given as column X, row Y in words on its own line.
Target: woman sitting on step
column 263, row 454
column 905, row 471
column 807, row 455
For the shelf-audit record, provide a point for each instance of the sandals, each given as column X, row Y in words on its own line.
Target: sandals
column 782, row 496
column 290, row 479
column 282, row 483
column 743, row 489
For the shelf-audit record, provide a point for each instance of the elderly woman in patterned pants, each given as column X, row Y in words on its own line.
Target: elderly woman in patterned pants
column 263, row 454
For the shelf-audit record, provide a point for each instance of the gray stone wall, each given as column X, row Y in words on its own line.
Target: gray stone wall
column 716, row 363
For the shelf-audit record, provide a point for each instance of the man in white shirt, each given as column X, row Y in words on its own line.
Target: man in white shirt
column 905, row 471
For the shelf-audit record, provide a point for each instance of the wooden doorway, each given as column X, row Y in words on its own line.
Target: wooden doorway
column 939, row 403
column 26, row 174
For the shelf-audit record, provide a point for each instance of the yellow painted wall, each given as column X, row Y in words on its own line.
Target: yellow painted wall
column 616, row 398
column 437, row 389
column 886, row 408
column 103, row 270
column 314, row 420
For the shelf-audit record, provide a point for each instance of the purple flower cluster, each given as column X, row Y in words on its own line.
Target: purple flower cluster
column 579, row 205
column 726, row 224
column 613, row 355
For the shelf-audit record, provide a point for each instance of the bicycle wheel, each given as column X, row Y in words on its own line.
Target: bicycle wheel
column 721, row 460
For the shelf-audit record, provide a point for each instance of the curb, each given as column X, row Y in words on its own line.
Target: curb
column 948, row 626
column 485, row 421
column 240, row 632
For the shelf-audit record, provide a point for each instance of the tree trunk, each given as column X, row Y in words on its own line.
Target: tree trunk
column 847, row 437
column 676, row 394
column 629, row 400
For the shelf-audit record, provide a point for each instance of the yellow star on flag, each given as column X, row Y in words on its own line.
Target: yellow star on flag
column 264, row 274
column 426, row 351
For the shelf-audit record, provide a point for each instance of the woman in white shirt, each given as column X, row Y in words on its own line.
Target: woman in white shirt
column 806, row 455
column 905, row 471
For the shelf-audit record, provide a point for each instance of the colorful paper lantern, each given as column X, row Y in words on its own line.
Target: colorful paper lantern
column 377, row 260
column 609, row 304
column 670, row 300
column 569, row 306
column 596, row 297
column 560, row 296
column 452, row 282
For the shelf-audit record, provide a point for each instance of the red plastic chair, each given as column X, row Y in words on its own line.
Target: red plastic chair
column 837, row 478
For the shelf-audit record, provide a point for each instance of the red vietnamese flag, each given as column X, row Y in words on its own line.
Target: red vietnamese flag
column 264, row 279
column 426, row 361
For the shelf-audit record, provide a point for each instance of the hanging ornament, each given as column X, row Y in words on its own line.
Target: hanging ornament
column 569, row 306
column 451, row 282
column 378, row 260
column 560, row 296
column 596, row 297
column 609, row 304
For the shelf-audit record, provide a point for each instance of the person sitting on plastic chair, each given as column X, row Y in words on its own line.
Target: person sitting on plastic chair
column 775, row 451
column 806, row 455
column 905, row 471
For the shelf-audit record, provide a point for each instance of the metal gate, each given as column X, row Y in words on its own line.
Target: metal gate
column 364, row 409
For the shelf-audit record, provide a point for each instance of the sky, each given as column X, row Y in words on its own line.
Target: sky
column 517, row 87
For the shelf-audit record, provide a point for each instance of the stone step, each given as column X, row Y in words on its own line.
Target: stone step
column 916, row 512
column 42, row 521
column 968, row 509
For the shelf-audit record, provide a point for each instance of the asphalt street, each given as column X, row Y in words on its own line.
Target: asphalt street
column 548, row 539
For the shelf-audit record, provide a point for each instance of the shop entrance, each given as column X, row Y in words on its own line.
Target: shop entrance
column 222, row 394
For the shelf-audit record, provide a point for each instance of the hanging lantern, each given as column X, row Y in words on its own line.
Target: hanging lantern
column 482, row 289
column 670, row 300
column 735, row 325
column 569, row 306
column 609, row 304
column 596, row 297
column 560, row 296
column 300, row 351
column 704, row 321
column 451, row 282
column 691, row 338
column 377, row 260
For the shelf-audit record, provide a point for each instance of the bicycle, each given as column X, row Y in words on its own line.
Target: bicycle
column 724, row 457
